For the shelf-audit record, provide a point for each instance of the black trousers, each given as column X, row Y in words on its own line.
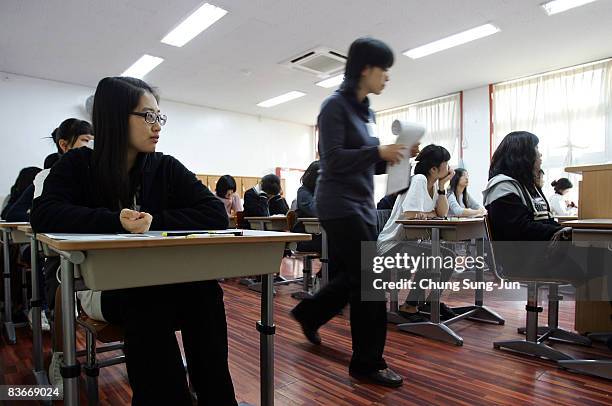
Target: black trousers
column 150, row 317
column 368, row 319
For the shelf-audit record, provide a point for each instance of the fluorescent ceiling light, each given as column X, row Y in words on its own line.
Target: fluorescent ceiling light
column 197, row 22
column 331, row 82
column 281, row 99
column 452, row 41
column 142, row 66
column 559, row 6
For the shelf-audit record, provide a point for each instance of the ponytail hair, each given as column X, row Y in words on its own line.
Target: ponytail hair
column 431, row 156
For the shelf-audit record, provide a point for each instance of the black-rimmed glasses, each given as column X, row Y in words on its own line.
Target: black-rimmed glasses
column 151, row 117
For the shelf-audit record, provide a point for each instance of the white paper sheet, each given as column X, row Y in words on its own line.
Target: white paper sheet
column 408, row 134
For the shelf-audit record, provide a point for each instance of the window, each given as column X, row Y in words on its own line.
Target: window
column 441, row 118
column 570, row 111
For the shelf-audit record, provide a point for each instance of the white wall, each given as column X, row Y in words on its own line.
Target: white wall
column 205, row 140
column 476, row 131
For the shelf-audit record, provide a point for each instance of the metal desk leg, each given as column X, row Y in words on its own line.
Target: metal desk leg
column 434, row 329
column 596, row 367
column 266, row 330
column 37, row 350
column 9, row 326
column 72, row 368
column 479, row 312
column 325, row 258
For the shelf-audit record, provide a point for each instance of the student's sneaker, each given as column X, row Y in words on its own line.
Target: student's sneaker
column 416, row 317
column 44, row 322
column 446, row 313
column 55, row 376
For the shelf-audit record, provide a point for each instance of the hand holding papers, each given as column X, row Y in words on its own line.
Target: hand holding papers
column 408, row 134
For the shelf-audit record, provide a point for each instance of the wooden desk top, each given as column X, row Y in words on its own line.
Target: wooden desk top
column 26, row 229
column 270, row 218
column 600, row 224
column 7, row 224
column 441, row 223
column 309, row 220
column 589, row 168
column 565, row 218
column 97, row 243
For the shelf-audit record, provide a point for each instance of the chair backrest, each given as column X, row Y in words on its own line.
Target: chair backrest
column 489, row 233
column 382, row 216
column 292, row 218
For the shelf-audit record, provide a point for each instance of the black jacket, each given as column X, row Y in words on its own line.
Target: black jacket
column 168, row 191
column 20, row 210
column 349, row 158
column 257, row 205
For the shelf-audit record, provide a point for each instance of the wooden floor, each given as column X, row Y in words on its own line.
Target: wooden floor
column 435, row 373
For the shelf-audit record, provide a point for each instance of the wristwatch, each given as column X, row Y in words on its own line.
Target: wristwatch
column 441, row 192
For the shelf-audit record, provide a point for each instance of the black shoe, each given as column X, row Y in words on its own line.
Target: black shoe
column 310, row 333
column 417, row 317
column 384, row 377
column 446, row 313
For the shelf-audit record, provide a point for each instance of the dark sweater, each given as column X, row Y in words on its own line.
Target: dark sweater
column 20, row 210
column 511, row 220
column 349, row 159
column 168, row 191
column 306, row 204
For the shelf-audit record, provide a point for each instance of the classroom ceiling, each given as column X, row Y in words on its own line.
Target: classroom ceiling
column 235, row 63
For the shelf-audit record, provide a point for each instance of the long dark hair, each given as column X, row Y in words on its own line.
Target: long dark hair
column 561, row 184
column 515, row 157
column 452, row 188
column 69, row 131
column 225, row 183
column 365, row 52
column 309, row 178
column 24, row 179
column 431, row 156
column 115, row 99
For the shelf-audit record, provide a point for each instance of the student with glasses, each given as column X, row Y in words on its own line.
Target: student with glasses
column 124, row 185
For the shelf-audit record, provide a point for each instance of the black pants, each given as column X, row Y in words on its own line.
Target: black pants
column 150, row 317
column 368, row 319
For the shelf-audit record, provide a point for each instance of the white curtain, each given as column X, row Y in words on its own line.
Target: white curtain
column 569, row 110
column 441, row 117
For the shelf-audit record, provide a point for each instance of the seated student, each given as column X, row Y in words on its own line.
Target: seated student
column 20, row 211
column 519, row 212
column 72, row 133
column 264, row 199
column 558, row 204
column 121, row 186
column 460, row 203
column 425, row 198
column 24, row 179
column 225, row 190
column 306, row 206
